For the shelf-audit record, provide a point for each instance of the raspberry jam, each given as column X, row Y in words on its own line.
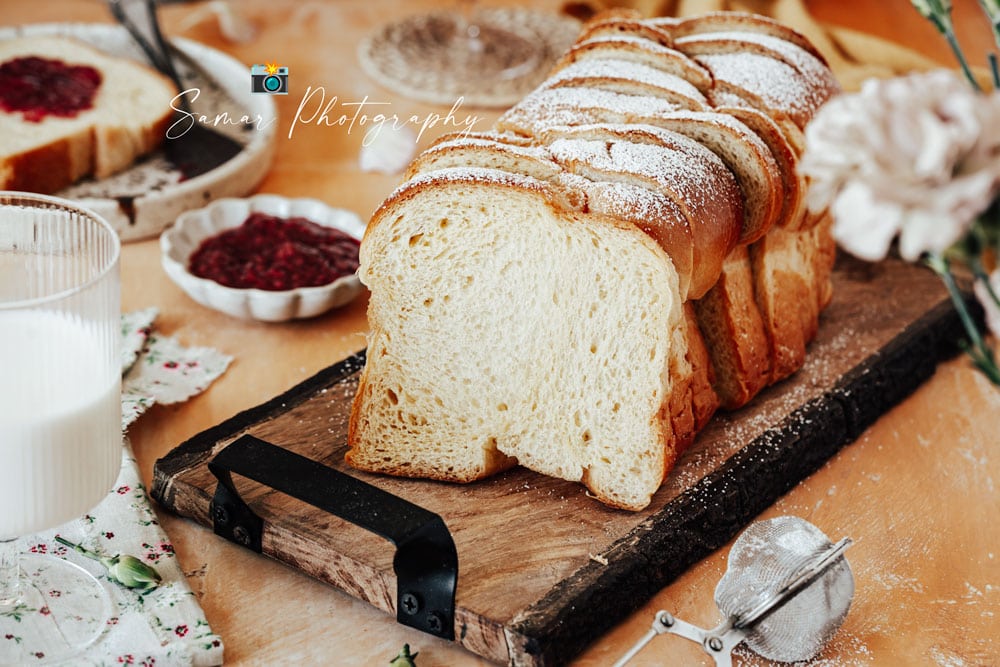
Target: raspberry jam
column 271, row 253
column 40, row 87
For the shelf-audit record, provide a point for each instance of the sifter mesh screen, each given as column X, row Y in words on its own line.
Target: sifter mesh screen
column 765, row 558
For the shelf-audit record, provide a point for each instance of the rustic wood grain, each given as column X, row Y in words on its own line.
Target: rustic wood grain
column 543, row 568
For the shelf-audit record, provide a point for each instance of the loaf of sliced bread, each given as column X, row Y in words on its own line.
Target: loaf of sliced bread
column 128, row 118
column 579, row 289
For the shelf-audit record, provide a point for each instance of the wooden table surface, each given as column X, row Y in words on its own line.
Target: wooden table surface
column 917, row 492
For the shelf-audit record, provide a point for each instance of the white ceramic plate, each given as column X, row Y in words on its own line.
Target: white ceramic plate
column 178, row 242
column 142, row 200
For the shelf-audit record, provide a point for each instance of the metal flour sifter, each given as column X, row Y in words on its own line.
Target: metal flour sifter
column 785, row 592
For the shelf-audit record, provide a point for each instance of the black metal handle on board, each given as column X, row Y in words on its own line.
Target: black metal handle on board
column 426, row 562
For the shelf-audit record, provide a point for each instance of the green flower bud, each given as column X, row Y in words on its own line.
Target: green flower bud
column 127, row 570
column 131, row 572
column 405, row 658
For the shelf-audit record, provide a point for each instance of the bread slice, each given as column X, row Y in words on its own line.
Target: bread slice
column 485, row 135
column 741, row 22
column 784, row 152
column 638, row 50
column 488, row 152
column 527, row 348
column 734, row 334
column 758, row 320
column 791, row 287
column 694, row 399
column 577, row 105
column 619, row 22
column 129, row 117
column 809, row 66
column 817, row 81
column 631, row 78
column 766, row 84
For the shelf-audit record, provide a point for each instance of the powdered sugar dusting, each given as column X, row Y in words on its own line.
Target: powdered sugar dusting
column 686, row 169
column 803, row 61
column 595, row 71
column 726, row 98
column 661, row 57
column 535, row 152
column 469, row 175
column 578, row 106
column 641, row 42
column 777, row 84
column 630, row 201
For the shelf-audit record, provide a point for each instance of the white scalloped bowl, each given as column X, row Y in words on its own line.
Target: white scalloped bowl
column 179, row 241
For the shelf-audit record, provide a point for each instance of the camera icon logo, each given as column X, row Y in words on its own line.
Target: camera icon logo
column 269, row 79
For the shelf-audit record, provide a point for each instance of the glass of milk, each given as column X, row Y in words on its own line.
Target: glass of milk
column 60, row 413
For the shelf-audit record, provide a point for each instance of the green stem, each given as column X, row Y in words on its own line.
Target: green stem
column 957, row 50
column 994, row 69
column 980, row 353
column 76, row 547
column 980, row 273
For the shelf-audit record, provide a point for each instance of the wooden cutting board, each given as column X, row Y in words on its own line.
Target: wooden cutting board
column 543, row 568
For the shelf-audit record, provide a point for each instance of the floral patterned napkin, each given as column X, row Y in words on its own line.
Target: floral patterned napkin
column 164, row 626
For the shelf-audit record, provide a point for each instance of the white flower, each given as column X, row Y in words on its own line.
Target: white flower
column 915, row 156
column 990, row 306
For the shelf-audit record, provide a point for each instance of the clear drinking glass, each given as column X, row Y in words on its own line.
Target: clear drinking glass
column 60, row 415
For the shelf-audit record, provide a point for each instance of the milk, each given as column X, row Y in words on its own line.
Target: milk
column 60, row 440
